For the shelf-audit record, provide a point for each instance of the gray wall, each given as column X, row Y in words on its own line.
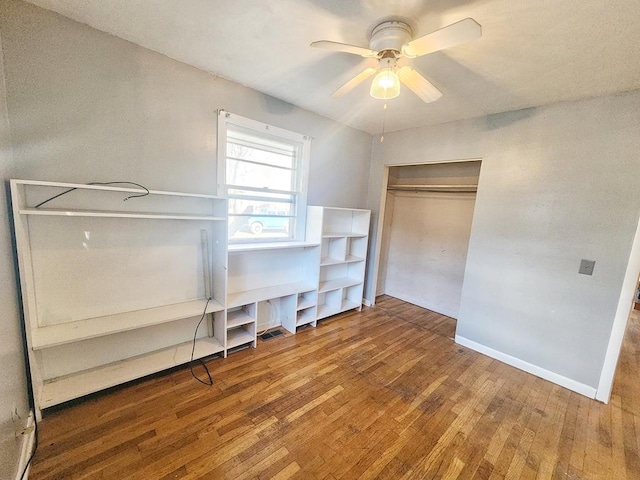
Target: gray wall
column 13, row 393
column 557, row 184
column 87, row 106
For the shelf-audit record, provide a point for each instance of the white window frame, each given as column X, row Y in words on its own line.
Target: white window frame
column 302, row 169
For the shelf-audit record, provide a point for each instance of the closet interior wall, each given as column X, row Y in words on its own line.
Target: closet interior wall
column 426, row 230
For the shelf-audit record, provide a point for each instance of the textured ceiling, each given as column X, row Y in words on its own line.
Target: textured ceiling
column 532, row 52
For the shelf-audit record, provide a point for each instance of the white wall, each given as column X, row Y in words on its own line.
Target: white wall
column 558, row 184
column 87, row 106
column 427, row 249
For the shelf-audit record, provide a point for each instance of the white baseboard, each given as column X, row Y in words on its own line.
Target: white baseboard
column 366, row 303
column 28, row 441
column 565, row 382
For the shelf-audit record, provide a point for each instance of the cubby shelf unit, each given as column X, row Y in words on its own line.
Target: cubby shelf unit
column 126, row 281
column 343, row 236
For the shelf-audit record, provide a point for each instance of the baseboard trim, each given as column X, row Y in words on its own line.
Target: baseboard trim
column 366, row 303
column 28, row 441
column 565, row 382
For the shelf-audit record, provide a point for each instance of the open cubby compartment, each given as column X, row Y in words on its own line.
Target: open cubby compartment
column 241, row 315
column 341, row 275
column 356, row 249
column 333, row 250
column 306, row 315
column 352, row 297
column 241, row 326
column 329, row 303
column 275, row 312
column 307, row 299
column 347, row 221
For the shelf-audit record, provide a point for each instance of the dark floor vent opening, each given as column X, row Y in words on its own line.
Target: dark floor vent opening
column 268, row 335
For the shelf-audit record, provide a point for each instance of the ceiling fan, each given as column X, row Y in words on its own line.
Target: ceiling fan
column 391, row 40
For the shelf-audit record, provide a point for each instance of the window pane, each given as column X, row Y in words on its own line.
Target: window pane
column 243, row 206
column 243, row 152
column 252, row 227
column 258, row 176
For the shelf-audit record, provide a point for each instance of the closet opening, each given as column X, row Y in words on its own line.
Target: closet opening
column 425, row 222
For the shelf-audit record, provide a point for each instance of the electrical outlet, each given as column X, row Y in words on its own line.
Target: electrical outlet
column 586, row 267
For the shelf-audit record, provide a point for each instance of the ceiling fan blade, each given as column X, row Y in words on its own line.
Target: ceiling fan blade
column 344, row 47
column 455, row 34
column 354, row 82
column 419, row 85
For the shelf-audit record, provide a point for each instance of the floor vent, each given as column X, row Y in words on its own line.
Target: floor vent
column 268, row 335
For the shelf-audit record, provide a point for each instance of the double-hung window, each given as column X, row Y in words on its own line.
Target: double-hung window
column 263, row 172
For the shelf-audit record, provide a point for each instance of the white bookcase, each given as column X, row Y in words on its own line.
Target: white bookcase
column 113, row 290
column 277, row 281
column 343, row 235
column 115, row 280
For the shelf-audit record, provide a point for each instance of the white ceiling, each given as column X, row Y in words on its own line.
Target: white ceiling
column 532, row 52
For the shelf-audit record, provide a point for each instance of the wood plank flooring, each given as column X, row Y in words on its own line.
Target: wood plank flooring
column 384, row 393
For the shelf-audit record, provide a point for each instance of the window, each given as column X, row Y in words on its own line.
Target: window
column 263, row 172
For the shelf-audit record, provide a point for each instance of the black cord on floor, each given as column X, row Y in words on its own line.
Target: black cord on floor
column 35, row 446
column 193, row 349
column 100, row 183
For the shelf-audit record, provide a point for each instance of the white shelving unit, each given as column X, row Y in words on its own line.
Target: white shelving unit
column 112, row 289
column 343, row 235
column 279, row 278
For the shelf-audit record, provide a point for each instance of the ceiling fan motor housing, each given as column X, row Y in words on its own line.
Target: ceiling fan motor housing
column 391, row 35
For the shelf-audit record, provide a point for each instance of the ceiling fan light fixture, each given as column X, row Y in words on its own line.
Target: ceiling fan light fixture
column 385, row 85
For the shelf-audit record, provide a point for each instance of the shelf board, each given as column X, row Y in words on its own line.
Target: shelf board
column 238, row 318
column 329, row 285
column 238, row 336
column 304, row 319
column 111, row 188
column 62, row 333
column 326, row 311
column 116, row 214
column 245, row 297
column 66, row 388
column 305, row 303
column 252, row 247
column 462, row 188
column 350, row 305
column 343, row 234
column 326, row 261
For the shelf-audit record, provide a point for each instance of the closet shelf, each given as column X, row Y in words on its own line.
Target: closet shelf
column 329, row 285
column 435, row 188
column 62, row 389
column 326, row 261
column 49, row 336
column 113, row 214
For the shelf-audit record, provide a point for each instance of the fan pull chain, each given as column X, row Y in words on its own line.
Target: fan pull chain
column 384, row 116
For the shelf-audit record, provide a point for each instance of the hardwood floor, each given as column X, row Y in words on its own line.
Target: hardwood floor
column 384, row 393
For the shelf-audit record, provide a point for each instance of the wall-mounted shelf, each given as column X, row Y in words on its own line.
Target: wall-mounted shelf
column 50, row 336
column 63, row 389
column 435, row 188
column 99, row 275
